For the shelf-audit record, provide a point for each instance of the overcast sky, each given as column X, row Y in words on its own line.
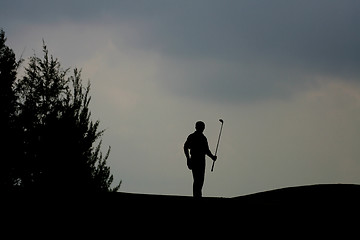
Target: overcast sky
column 284, row 76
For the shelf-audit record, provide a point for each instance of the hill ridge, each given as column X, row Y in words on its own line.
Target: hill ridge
column 317, row 193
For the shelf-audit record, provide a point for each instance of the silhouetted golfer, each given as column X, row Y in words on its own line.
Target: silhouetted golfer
column 199, row 147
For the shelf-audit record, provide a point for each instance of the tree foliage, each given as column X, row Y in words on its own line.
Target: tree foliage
column 8, row 68
column 60, row 147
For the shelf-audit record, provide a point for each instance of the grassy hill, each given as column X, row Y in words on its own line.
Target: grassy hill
column 303, row 195
column 306, row 195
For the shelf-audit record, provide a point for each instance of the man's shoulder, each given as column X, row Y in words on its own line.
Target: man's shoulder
column 191, row 135
column 196, row 135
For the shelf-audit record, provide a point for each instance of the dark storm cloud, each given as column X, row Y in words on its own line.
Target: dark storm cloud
column 300, row 31
column 323, row 32
column 40, row 11
column 261, row 49
column 272, row 47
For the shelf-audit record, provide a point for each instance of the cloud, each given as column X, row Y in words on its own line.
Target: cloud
column 245, row 51
column 231, row 83
column 227, row 51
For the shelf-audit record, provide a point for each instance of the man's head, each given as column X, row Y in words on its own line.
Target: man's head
column 200, row 126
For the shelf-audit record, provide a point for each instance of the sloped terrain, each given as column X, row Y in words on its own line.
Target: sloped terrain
column 303, row 195
column 306, row 195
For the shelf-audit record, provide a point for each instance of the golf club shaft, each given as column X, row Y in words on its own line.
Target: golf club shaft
column 217, row 145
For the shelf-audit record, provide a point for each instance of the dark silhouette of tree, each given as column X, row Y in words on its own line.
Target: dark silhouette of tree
column 60, row 146
column 8, row 70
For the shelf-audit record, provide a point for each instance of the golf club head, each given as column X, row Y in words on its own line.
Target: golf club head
column 222, row 121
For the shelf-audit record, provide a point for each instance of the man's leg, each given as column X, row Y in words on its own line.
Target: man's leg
column 199, row 176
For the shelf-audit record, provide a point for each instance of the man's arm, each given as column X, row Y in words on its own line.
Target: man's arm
column 208, row 152
column 186, row 150
column 213, row 157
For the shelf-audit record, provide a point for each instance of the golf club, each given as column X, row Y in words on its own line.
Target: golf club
column 217, row 145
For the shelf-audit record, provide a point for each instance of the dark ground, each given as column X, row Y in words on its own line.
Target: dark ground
column 310, row 212
column 301, row 195
column 302, row 209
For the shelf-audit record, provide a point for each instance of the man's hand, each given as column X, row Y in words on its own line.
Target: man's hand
column 214, row 158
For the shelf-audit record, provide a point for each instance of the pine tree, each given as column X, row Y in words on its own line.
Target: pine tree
column 8, row 68
column 59, row 137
